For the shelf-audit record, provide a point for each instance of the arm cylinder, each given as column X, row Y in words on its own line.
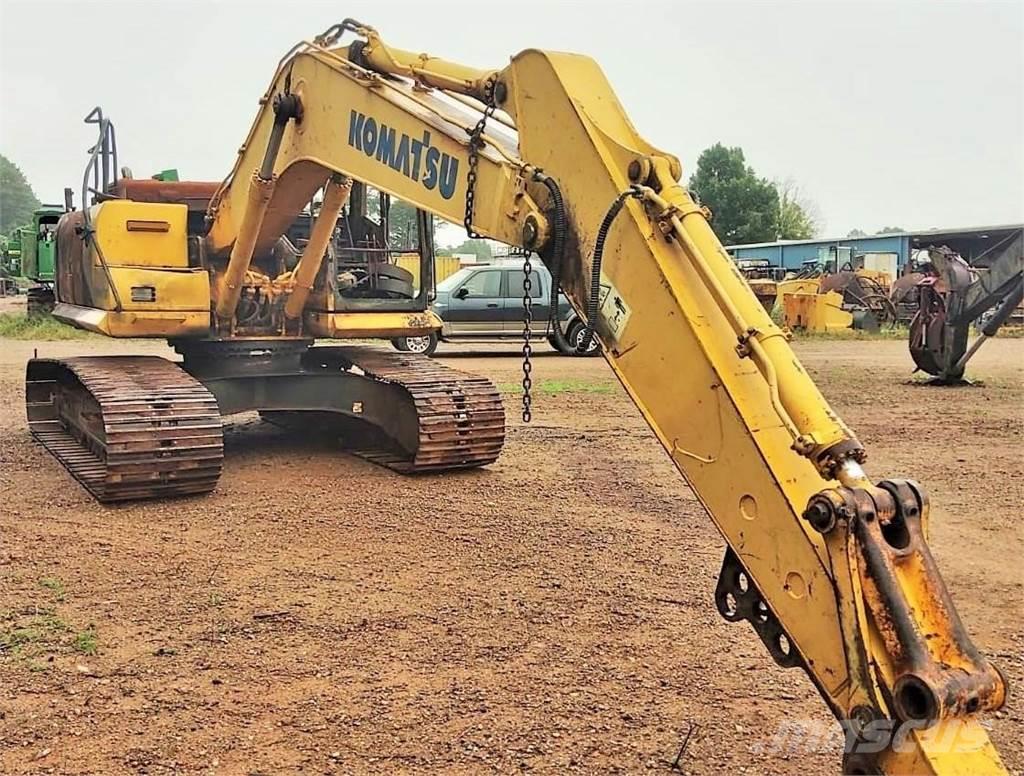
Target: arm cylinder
column 427, row 69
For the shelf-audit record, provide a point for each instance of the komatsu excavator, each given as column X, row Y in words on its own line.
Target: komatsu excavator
column 831, row 569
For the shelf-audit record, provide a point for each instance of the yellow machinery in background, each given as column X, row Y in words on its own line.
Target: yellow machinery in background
column 830, row 568
column 444, row 266
column 840, row 300
column 815, row 312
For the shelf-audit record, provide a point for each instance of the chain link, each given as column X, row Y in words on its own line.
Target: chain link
column 476, row 142
column 527, row 345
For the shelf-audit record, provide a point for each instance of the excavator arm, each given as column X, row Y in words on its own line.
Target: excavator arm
column 831, row 569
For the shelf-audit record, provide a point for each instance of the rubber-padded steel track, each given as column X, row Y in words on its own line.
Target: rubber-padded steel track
column 126, row 427
column 461, row 417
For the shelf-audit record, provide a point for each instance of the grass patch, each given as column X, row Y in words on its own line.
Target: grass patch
column 37, row 327
column 27, row 636
column 888, row 333
column 556, row 387
column 55, row 586
column 86, row 642
column 33, row 635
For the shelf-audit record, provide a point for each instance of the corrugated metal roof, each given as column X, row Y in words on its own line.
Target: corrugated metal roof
column 917, row 233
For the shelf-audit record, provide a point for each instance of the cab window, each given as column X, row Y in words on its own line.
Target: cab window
column 486, row 283
column 514, row 284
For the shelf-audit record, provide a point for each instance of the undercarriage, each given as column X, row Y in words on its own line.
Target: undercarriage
column 133, row 427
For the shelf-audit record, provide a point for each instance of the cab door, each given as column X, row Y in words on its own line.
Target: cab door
column 477, row 305
column 513, row 307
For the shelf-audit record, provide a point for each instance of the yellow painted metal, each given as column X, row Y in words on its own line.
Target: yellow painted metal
column 145, row 246
column 953, row 748
column 880, row 276
column 815, row 312
column 444, row 266
column 743, row 403
column 378, row 324
column 141, row 234
column 151, row 323
column 229, row 288
column 424, row 68
column 331, row 139
column 765, row 290
column 797, row 286
column 335, row 197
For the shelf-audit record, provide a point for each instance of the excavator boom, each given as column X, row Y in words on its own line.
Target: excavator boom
column 831, row 569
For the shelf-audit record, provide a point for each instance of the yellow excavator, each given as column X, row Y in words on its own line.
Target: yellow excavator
column 831, row 569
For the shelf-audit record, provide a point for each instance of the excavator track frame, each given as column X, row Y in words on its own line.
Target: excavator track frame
column 139, row 427
column 126, row 427
column 460, row 417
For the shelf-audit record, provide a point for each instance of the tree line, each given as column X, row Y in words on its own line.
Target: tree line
column 17, row 200
column 745, row 207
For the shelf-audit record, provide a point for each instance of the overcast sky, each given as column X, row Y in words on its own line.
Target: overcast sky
column 885, row 114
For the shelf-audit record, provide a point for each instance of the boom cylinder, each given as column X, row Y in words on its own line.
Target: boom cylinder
column 335, row 197
column 230, row 287
column 287, row 107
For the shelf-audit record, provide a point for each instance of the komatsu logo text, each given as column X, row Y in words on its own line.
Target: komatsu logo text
column 415, row 158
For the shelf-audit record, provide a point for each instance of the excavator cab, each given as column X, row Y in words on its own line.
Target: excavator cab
column 134, row 262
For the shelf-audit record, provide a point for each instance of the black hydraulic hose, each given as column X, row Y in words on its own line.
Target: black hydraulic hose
column 557, row 251
column 595, row 265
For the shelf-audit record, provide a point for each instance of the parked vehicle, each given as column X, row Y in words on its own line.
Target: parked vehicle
column 486, row 303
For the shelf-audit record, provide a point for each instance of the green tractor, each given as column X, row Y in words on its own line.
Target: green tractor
column 38, row 251
column 10, row 257
column 10, row 263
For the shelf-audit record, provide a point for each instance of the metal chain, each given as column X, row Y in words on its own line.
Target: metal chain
column 476, row 142
column 527, row 346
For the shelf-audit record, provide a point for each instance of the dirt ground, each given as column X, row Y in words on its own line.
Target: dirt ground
column 551, row 613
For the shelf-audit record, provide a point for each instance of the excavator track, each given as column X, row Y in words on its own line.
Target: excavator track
column 460, row 418
column 126, row 427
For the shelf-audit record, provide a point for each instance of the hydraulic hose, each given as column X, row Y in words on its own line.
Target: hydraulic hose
column 595, row 265
column 557, row 251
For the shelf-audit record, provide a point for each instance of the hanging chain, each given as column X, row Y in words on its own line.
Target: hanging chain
column 527, row 346
column 476, row 142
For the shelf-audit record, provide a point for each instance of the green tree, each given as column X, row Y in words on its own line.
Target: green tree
column 856, row 233
column 890, row 230
column 403, row 229
column 797, row 216
column 744, row 207
column 402, row 222
column 17, row 200
column 479, row 248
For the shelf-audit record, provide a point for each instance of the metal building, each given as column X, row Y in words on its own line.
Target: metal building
column 882, row 251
